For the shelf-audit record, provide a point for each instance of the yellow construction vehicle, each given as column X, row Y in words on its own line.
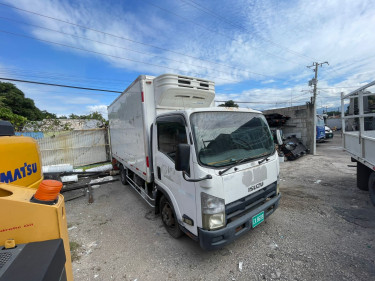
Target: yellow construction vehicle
column 34, row 243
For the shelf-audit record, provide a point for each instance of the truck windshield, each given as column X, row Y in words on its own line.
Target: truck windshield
column 223, row 138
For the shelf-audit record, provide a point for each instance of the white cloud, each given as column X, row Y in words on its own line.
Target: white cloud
column 270, row 35
column 98, row 108
column 268, row 81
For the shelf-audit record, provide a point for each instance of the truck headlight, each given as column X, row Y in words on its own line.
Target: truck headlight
column 213, row 211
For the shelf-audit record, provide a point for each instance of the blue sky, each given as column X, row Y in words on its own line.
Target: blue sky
column 255, row 51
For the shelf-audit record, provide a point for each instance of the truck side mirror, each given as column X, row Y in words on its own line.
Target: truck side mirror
column 182, row 157
column 279, row 137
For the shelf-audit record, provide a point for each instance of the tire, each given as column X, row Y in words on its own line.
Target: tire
column 363, row 174
column 168, row 216
column 123, row 173
column 371, row 187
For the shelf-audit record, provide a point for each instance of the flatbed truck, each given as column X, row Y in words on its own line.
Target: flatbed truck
column 358, row 128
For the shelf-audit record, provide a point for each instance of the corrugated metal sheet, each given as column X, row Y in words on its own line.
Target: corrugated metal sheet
column 76, row 147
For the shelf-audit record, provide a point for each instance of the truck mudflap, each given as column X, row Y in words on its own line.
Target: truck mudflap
column 210, row 240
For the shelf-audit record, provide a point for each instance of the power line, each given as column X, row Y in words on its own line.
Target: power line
column 207, row 11
column 259, row 102
column 348, row 87
column 112, row 91
column 213, row 31
column 264, row 102
column 130, row 40
column 45, row 75
column 112, row 56
column 123, row 48
column 81, row 93
column 59, row 85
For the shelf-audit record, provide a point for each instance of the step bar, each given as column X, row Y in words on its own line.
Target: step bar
column 150, row 201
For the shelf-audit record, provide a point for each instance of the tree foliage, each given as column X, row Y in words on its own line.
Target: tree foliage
column 14, row 99
column 333, row 113
column 229, row 103
column 92, row 116
column 23, row 113
column 18, row 121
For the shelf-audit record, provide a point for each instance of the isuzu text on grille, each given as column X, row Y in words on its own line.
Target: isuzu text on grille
column 255, row 187
column 20, row 173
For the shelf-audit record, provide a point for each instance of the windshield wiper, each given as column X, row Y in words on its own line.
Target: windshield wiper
column 234, row 164
column 243, row 159
column 264, row 159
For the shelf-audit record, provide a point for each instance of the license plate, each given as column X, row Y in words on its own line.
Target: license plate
column 258, row 219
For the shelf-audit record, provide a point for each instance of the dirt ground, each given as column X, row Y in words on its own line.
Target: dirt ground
column 324, row 229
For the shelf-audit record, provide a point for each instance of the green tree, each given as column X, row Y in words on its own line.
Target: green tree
column 17, row 121
column 92, row 116
column 333, row 113
column 14, row 99
column 74, row 116
column 96, row 116
column 229, row 103
column 48, row 115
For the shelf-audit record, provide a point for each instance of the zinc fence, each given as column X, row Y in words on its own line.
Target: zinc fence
column 78, row 147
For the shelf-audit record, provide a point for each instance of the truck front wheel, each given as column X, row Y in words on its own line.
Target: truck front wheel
column 371, row 187
column 123, row 175
column 168, row 216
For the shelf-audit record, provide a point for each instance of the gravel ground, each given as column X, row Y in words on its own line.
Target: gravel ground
column 324, row 229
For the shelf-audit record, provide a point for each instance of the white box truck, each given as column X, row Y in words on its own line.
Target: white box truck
column 358, row 126
column 211, row 172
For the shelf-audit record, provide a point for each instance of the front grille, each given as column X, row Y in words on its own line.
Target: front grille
column 244, row 205
column 4, row 258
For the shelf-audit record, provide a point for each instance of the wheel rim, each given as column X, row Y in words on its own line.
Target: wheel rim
column 167, row 215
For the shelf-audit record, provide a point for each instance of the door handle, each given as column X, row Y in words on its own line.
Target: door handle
column 159, row 173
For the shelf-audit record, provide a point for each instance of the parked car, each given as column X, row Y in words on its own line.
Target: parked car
column 329, row 133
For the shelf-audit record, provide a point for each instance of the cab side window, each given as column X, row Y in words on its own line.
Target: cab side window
column 170, row 134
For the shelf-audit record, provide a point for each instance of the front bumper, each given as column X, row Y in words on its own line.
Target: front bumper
column 215, row 239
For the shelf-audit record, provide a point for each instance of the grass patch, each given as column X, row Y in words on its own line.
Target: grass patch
column 74, row 247
column 84, row 168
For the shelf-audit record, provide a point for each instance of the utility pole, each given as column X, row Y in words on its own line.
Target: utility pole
column 314, row 82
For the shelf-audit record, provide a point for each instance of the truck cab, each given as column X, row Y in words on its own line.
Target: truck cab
column 219, row 169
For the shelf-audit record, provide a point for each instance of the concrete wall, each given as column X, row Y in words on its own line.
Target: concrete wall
column 301, row 122
column 334, row 122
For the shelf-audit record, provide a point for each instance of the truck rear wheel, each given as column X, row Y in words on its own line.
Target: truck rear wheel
column 168, row 216
column 363, row 173
column 371, row 187
column 123, row 174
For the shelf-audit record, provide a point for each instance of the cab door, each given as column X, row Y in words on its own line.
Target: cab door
column 171, row 130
